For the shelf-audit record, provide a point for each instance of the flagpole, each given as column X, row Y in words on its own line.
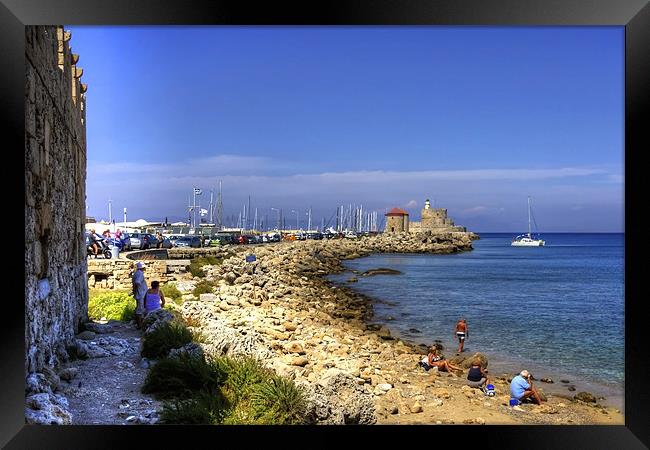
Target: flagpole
column 194, row 209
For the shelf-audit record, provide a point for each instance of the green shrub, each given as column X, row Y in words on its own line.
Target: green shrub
column 202, row 409
column 184, row 376
column 197, row 263
column 278, row 401
column 244, row 373
column 203, row 287
column 111, row 305
column 167, row 336
column 208, row 260
column 172, row 293
column 195, row 270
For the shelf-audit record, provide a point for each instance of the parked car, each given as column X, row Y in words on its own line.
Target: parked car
column 253, row 239
column 172, row 238
column 242, row 239
column 274, row 237
column 131, row 241
column 316, row 235
column 300, row 236
column 166, row 243
column 188, row 241
column 150, row 241
column 221, row 239
column 351, row 235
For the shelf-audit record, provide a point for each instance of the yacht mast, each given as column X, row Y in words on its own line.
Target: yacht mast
column 529, row 235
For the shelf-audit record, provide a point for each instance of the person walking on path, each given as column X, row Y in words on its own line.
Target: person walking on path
column 139, row 292
column 160, row 239
column 462, row 333
column 154, row 299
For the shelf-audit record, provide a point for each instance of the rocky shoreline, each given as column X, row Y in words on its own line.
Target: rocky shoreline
column 282, row 310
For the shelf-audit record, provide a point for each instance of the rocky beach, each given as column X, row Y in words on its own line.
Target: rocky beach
column 282, row 310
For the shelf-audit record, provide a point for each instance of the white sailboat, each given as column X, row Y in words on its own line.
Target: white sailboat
column 527, row 240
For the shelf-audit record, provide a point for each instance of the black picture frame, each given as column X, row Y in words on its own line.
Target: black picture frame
column 634, row 15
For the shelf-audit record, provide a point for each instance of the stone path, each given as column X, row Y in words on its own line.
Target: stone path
column 106, row 388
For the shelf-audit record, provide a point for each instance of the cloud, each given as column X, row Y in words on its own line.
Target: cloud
column 475, row 209
column 155, row 190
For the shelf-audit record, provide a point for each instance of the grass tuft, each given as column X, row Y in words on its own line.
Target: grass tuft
column 278, row 401
column 172, row 293
column 184, row 376
column 203, row 287
column 202, row 409
column 197, row 263
column 167, row 336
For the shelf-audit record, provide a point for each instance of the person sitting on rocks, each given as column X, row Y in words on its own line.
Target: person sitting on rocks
column 521, row 388
column 154, row 299
column 435, row 359
column 477, row 375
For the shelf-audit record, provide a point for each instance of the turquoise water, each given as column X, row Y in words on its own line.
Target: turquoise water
column 558, row 309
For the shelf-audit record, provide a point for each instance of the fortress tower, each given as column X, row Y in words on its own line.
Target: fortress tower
column 435, row 220
column 397, row 221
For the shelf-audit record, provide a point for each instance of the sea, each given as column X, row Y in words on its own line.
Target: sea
column 556, row 310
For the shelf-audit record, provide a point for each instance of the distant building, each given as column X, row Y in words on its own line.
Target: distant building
column 397, row 221
column 434, row 219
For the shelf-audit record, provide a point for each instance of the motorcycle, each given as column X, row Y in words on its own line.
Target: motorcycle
column 103, row 249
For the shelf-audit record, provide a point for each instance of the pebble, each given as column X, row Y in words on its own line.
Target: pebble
column 417, row 407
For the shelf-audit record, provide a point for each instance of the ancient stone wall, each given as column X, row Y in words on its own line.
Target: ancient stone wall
column 117, row 273
column 435, row 220
column 56, row 295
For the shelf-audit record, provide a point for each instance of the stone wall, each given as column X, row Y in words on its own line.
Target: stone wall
column 56, row 295
column 117, row 273
column 435, row 220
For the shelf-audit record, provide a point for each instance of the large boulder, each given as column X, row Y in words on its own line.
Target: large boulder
column 586, row 397
column 380, row 271
column 337, row 399
column 47, row 409
column 222, row 339
column 156, row 318
column 191, row 349
column 465, row 361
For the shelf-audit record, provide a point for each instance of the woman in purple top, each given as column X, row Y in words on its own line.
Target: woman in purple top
column 154, row 299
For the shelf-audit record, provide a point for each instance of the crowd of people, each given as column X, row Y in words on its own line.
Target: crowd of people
column 521, row 386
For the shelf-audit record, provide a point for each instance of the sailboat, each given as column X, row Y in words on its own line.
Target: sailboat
column 527, row 240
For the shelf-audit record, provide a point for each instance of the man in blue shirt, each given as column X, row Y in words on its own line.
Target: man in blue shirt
column 521, row 387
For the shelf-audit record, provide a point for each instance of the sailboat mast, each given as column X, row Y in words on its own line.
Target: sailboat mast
column 529, row 235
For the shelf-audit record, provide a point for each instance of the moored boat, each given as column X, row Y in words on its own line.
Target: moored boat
column 527, row 240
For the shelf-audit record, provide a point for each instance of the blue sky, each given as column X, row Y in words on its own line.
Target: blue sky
column 475, row 118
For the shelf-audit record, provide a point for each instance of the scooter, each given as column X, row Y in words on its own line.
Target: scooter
column 103, row 249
